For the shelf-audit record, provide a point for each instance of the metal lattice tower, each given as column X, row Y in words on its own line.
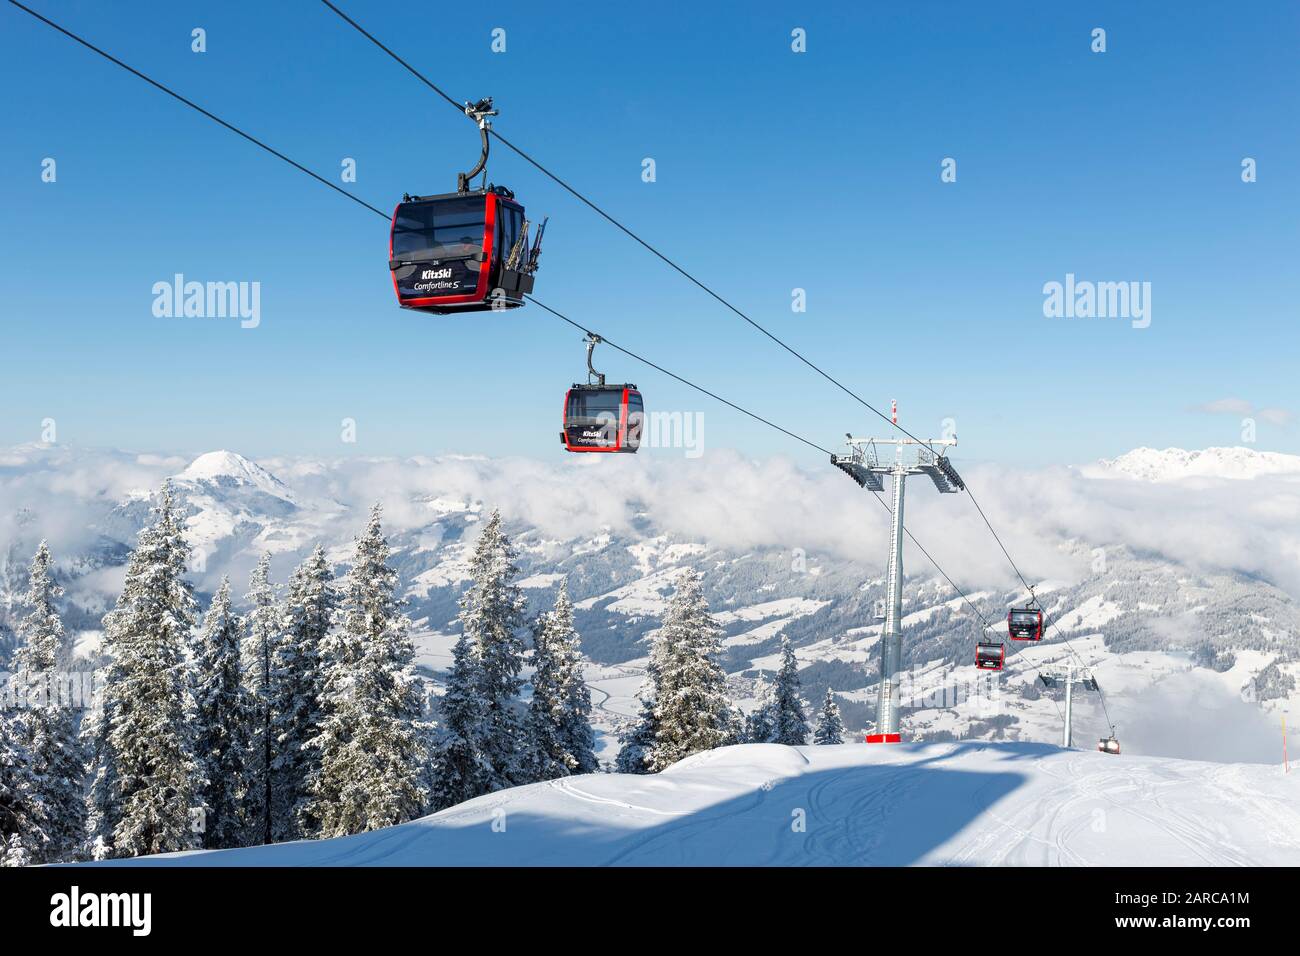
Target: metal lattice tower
column 1068, row 675
column 864, row 466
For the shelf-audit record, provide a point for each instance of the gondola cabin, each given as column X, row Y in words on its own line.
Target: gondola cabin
column 990, row 656
column 602, row 418
column 1025, row 624
column 461, row 252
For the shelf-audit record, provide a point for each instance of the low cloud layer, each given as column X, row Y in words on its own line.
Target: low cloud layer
column 1049, row 518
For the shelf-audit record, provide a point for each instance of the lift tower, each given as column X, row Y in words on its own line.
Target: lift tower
column 864, row 466
column 1067, row 675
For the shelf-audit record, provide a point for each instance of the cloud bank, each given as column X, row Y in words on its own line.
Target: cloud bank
column 1049, row 518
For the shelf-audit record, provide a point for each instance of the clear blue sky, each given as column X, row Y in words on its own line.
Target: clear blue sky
column 775, row 170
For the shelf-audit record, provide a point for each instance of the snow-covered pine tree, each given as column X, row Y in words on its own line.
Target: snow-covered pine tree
column 23, row 817
column 575, row 725
column 371, row 740
column 691, row 708
column 265, row 631
column 789, row 725
column 637, row 744
column 560, row 738
column 830, row 727
column 492, row 614
column 102, row 809
column 50, row 729
column 40, row 634
column 308, row 615
column 460, row 770
column 758, row 725
column 147, row 764
column 223, row 723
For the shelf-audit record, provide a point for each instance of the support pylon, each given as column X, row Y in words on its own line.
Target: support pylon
column 864, row 467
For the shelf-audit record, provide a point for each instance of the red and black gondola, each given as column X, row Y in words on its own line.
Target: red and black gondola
column 600, row 417
column 990, row 655
column 466, row 251
column 1025, row 624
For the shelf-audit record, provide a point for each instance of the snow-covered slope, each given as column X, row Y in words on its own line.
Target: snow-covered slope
column 965, row 804
column 226, row 469
column 1172, row 464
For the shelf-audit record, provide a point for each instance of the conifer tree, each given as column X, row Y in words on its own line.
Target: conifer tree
column 460, row 768
column 223, row 721
column 48, row 727
column 575, row 696
column 148, row 782
column 559, row 728
column 308, row 615
column 789, row 725
column 637, row 744
column 830, row 727
column 23, row 817
column 371, row 741
column 759, row 725
column 691, row 709
column 265, row 629
column 492, row 615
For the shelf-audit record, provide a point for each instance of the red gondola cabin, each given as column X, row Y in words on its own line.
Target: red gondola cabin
column 990, row 657
column 602, row 418
column 461, row 252
column 1025, row 624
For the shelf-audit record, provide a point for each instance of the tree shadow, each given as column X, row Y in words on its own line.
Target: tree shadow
column 887, row 813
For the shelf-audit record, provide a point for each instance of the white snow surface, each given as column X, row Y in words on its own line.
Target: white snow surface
column 969, row 803
column 1173, row 464
column 216, row 466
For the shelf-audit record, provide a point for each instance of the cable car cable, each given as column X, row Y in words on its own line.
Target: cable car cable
column 460, row 108
column 195, row 106
column 984, row 622
column 361, row 202
column 1028, row 587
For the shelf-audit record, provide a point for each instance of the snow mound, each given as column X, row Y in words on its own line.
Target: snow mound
column 963, row 803
column 226, row 468
column 1172, row 464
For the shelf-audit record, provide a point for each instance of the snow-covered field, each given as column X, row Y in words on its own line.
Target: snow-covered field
column 965, row 804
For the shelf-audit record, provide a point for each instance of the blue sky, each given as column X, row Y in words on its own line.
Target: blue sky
column 775, row 170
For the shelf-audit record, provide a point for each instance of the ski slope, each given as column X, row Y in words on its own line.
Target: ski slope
column 966, row 804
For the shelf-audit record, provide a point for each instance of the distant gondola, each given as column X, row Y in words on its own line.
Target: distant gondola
column 1025, row 624
column 990, row 656
column 600, row 417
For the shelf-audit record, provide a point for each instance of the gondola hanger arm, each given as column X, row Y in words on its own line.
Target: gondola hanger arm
column 479, row 113
column 592, row 341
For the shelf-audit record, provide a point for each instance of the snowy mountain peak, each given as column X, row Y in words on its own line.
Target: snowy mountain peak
column 226, row 468
column 1172, row 464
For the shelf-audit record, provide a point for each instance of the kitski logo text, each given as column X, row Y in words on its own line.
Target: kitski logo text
column 208, row 300
column 75, row 909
